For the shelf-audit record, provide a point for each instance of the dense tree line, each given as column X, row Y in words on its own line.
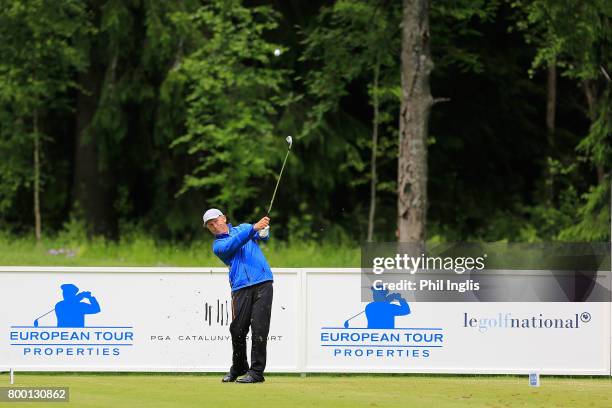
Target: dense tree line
column 417, row 119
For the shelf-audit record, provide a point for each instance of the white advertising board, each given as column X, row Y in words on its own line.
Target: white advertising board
column 442, row 337
column 177, row 319
column 150, row 319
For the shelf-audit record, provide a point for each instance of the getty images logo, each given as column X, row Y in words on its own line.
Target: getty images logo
column 381, row 338
column 70, row 336
column 539, row 321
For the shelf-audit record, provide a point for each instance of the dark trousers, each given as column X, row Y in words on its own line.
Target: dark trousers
column 251, row 306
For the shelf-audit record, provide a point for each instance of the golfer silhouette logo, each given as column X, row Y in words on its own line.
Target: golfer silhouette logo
column 71, row 311
column 381, row 312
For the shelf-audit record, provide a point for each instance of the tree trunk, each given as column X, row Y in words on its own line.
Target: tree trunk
column 37, row 218
column 551, row 102
column 414, row 115
column 590, row 92
column 92, row 188
column 601, row 174
column 373, row 175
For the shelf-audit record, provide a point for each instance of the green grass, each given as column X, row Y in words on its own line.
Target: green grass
column 142, row 251
column 157, row 391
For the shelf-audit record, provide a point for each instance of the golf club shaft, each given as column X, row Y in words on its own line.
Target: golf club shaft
column 278, row 182
column 348, row 320
column 40, row 317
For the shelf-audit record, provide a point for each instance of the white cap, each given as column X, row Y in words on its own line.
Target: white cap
column 211, row 215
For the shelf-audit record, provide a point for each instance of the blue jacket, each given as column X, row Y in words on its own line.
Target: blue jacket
column 240, row 251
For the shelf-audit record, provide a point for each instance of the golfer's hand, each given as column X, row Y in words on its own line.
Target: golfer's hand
column 264, row 232
column 261, row 224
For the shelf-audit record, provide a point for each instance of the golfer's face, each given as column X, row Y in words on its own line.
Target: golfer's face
column 217, row 226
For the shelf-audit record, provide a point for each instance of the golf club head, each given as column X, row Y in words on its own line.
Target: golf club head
column 289, row 140
column 36, row 323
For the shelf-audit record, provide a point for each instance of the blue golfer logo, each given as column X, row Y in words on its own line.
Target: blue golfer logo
column 381, row 312
column 71, row 311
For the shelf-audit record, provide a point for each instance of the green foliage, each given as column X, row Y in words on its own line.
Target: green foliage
column 452, row 27
column 592, row 220
column 597, row 145
column 15, row 149
column 73, row 233
column 189, row 108
column 574, row 33
column 352, row 45
column 346, row 44
column 233, row 92
column 577, row 37
column 38, row 60
column 138, row 249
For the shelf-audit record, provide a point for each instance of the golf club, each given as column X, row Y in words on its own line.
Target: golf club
column 346, row 323
column 289, row 140
column 40, row 317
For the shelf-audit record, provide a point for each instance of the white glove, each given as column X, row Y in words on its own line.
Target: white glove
column 263, row 233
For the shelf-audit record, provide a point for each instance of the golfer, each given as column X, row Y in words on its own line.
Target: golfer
column 250, row 278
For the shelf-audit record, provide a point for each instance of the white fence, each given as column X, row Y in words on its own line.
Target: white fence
column 177, row 319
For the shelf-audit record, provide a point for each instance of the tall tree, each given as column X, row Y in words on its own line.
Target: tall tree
column 538, row 23
column 551, row 108
column 233, row 91
column 35, row 81
column 354, row 43
column 119, row 115
column 413, row 126
column 579, row 38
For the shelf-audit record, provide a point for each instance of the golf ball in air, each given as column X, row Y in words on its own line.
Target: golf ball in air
column 277, row 52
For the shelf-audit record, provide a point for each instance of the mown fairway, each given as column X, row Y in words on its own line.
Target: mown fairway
column 141, row 390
